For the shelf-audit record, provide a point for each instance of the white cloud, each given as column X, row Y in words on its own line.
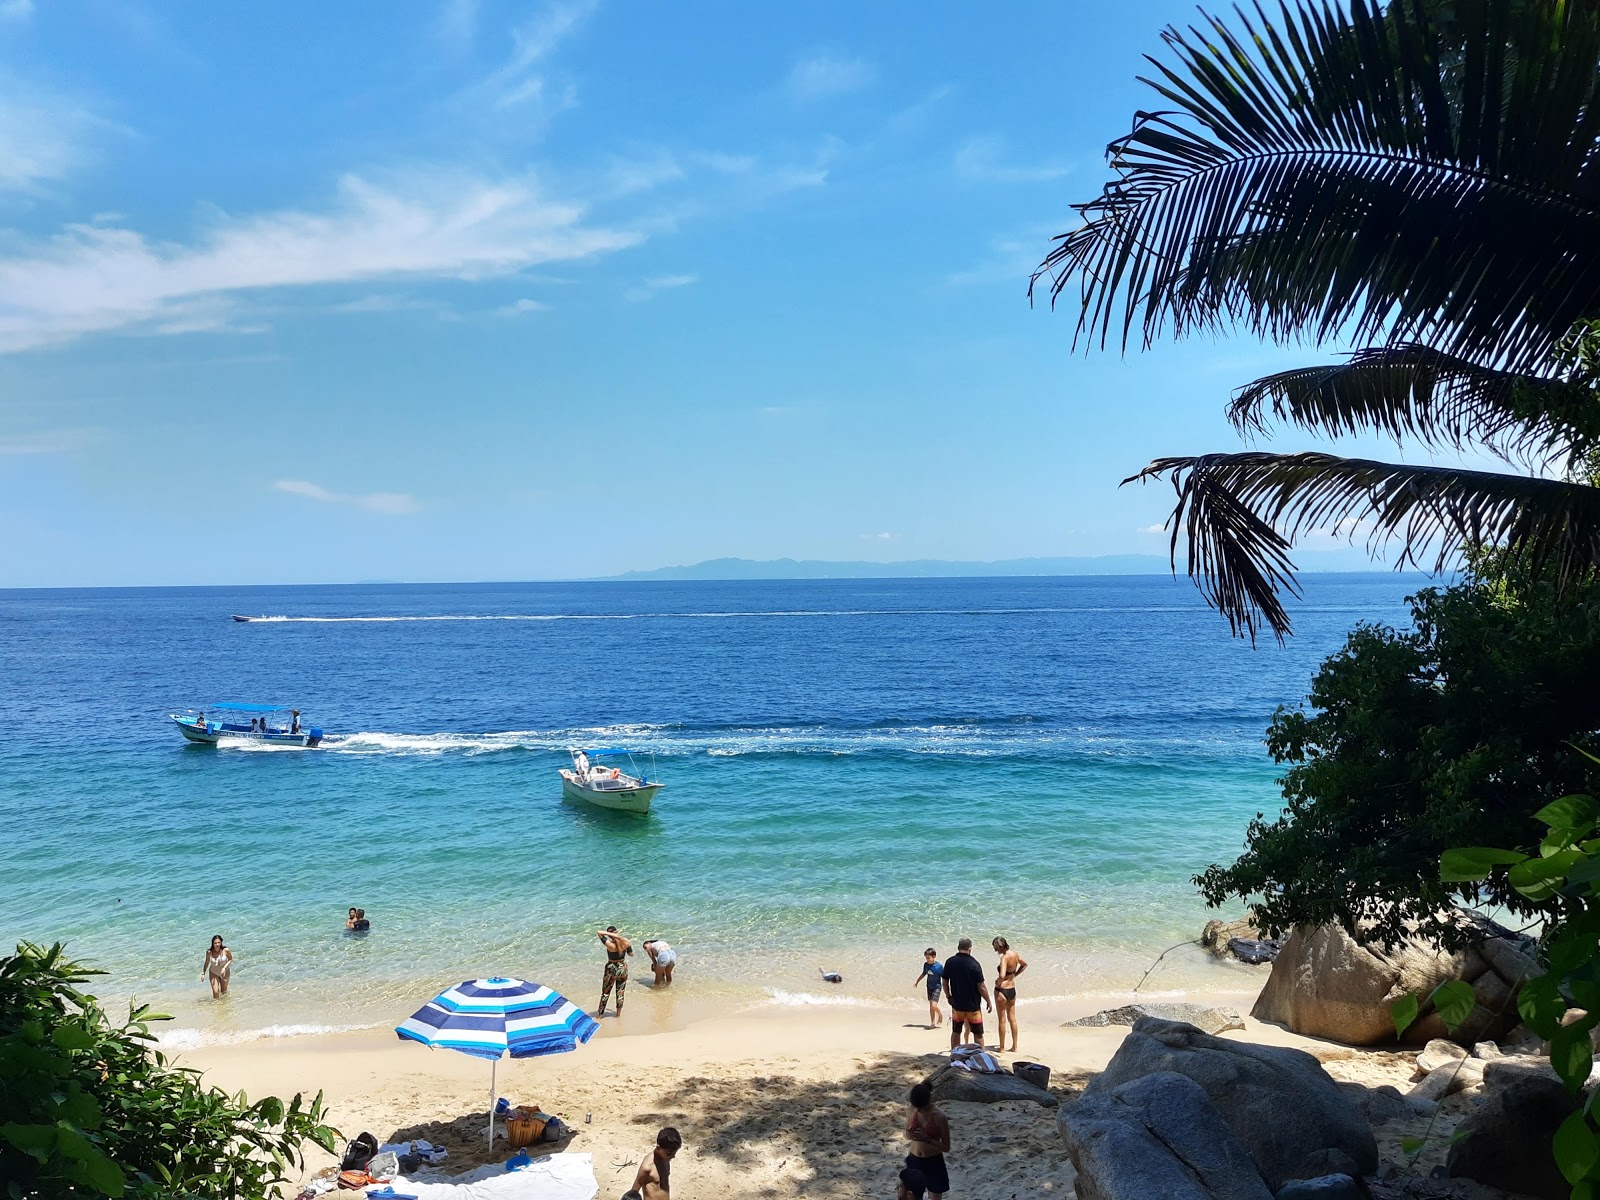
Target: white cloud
column 660, row 283
column 980, row 159
column 43, row 135
column 386, row 504
column 92, row 278
column 1011, row 257
column 1152, row 529
column 524, row 305
column 55, row 441
column 518, row 79
column 878, row 537
column 824, row 75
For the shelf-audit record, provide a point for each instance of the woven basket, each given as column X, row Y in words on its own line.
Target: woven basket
column 523, row 1127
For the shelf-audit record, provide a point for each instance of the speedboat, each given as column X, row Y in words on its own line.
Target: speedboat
column 273, row 724
column 605, row 786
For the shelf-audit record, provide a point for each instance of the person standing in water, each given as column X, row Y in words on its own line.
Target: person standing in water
column 1011, row 965
column 933, row 972
column 617, row 950
column 217, row 967
column 662, row 959
column 928, row 1131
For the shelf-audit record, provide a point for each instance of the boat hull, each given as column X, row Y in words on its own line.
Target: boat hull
column 631, row 799
column 210, row 734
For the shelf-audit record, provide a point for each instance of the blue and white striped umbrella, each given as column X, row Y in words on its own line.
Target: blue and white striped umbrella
column 494, row 1018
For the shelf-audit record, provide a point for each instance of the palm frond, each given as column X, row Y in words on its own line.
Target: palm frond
column 1444, row 401
column 1390, row 174
column 1242, row 512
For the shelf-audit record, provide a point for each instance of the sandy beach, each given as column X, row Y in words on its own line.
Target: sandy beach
column 776, row 1102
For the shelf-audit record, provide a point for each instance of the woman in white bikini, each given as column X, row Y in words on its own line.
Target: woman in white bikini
column 217, row 967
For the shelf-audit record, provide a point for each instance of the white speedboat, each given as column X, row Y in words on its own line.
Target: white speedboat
column 274, row 724
column 608, row 787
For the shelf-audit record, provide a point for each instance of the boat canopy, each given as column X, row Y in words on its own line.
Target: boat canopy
column 235, row 706
column 607, row 753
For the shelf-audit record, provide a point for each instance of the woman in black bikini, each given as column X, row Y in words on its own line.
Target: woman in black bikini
column 1005, row 990
column 928, row 1131
column 617, row 950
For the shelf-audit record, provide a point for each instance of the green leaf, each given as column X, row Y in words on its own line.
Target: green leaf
column 1468, row 864
column 1571, row 1053
column 1577, row 813
column 34, row 1140
column 1454, row 1002
column 1541, row 1006
column 1411, row 1145
column 1576, row 1148
column 1404, row 1012
column 1541, row 878
column 73, row 1037
column 100, row 1173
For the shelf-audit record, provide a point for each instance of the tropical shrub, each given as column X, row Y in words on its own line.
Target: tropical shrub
column 90, row 1108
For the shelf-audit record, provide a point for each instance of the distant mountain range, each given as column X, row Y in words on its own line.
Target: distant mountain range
column 1108, row 564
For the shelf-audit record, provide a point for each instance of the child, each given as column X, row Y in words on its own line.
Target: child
column 933, row 972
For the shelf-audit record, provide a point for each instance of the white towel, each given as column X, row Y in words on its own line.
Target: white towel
column 551, row 1177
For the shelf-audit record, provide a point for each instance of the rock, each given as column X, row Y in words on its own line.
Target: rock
column 1326, row 1162
column 1521, row 1040
column 1439, row 1053
column 1383, row 1104
column 1217, row 934
column 1325, row 1187
column 953, row 1083
column 1487, row 1051
column 1158, row 1135
column 1453, row 1077
column 1508, row 962
column 1508, row 1135
column 1203, row 1017
column 1326, row 983
column 1279, row 1102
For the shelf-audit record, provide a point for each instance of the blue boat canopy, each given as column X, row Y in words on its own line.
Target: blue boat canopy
column 607, row 753
column 235, row 706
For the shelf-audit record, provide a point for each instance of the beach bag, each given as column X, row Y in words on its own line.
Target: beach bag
column 555, row 1129
column 359, row 1152
column 523, row 1126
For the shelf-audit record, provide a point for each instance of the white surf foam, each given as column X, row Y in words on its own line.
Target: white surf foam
column 779, row 997
column 184, row 1039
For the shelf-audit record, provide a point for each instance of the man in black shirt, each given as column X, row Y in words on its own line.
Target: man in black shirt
column 964, row 987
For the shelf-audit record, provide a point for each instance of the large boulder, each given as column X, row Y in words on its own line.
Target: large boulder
column 1201, row 1016
column 1327, row 983
column 1506, row 1140
column 1280, row 1103
column 1156, row 1136
column 957, row 1083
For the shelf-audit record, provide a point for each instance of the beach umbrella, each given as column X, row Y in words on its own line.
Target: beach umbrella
column 496, row 1018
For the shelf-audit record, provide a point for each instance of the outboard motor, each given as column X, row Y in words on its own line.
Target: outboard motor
column 313, row 737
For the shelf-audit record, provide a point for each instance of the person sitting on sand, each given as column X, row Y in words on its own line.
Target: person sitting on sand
column 964, row 987
column 933, row 972
column 1011, row 965
column 217, row 967
column 928, row 1131
column 617, row 950
column 662, row 959
column 654, row 1180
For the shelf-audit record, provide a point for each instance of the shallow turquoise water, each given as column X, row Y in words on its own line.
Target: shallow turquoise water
column 854, row 769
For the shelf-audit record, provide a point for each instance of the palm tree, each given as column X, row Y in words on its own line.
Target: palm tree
column 1422, row 181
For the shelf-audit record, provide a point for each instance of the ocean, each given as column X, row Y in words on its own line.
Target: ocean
column 854, row 770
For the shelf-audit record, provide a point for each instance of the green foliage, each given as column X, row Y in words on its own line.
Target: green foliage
column 89, row 1108
column 1441, row 741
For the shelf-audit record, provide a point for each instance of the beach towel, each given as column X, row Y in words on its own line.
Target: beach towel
column 974, row 1058
column 551, row 1177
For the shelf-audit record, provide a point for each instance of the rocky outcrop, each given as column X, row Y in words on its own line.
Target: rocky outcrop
column 1201, row 1016
column 1239, row 940
column 1326, row 983
column 955, row 1083
column 1506, row 1140
column 1278, row 1102
column 1158, row 1135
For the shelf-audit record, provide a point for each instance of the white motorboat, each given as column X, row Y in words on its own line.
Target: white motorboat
column 606, row 786
column 274, row 724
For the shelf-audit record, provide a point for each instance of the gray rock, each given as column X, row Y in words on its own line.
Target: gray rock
column 1487, row 1051
column 1508, row 962
column 1326, row 1162
column 1324, row 1187
column 952, row 1083
column 1508, row 1136
column 1201, row 1016
column 1156, row 1136
column 1383, row 1104
column 1452, row 1077
column 1439, row 1053
column 1217, row 934
column 1279, row 1102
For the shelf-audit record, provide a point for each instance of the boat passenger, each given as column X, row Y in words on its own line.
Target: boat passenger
column 294, row 725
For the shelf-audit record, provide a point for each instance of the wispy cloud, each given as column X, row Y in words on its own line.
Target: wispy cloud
column 456, row 24
column 53, row 441
column 1152, row 529
column 981, row 159
column 92, row 278
column 1011, row 257
column 825, row 75
column 878, row 537
column 385, row 504
column 520, row 78
column 43, row 134
column 660, row 283
column 520, row 307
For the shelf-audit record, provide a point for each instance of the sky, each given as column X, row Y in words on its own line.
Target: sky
column 465, row 290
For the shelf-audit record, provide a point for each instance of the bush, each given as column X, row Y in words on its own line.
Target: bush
column 90, row 1109
column 1451, row 733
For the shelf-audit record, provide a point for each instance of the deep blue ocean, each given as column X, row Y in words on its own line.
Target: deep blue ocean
column 854, row 769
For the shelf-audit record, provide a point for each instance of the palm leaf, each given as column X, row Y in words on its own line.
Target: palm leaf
column 1381, row 174
column 1242, row 512
column 1415, row 391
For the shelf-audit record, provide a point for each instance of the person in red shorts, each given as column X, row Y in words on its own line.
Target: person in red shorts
column 965, row 988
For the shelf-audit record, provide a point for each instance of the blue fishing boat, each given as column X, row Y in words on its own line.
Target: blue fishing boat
column 273, row 724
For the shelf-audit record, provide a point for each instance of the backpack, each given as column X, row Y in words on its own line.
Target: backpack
column 359, row 1152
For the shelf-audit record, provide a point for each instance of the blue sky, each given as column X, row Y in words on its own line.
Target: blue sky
column 321, row 293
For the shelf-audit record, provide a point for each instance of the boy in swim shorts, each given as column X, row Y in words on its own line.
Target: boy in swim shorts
column 933, row 972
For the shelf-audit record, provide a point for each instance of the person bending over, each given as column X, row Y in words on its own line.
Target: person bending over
column 662, row 959
column 654, row 1180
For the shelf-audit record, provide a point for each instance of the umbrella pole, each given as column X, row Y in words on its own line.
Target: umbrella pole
column 493, row 1067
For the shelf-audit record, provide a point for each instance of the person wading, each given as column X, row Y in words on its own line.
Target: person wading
column 617, row 950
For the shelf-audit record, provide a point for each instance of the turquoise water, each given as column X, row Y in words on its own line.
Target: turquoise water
column 854, row 769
